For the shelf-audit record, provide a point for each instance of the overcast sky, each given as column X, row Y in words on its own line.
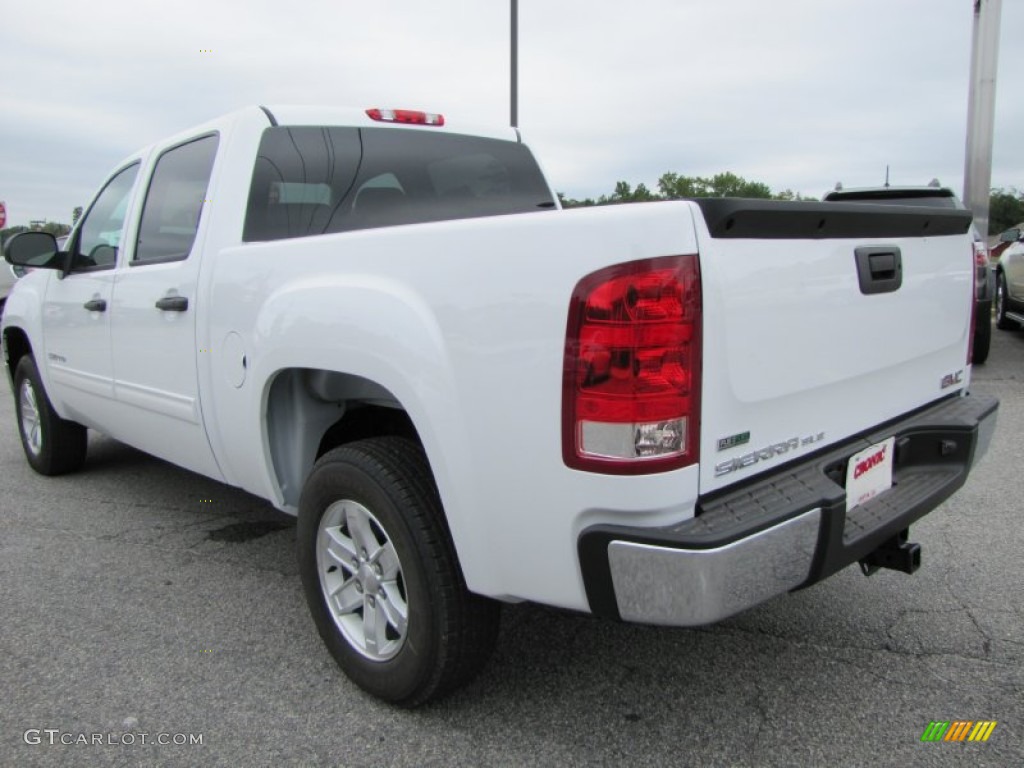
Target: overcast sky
column 798, row 94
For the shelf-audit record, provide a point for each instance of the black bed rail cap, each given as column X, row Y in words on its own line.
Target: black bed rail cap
column 753, row 219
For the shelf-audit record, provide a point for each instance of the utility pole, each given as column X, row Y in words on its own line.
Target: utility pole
column 981, row 104
column 515, row 63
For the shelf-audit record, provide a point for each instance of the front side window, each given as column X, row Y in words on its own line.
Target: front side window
column 314, row 180
column 100, row 233
column 174, row 201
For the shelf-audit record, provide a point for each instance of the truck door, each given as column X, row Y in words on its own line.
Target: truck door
column 76, row 317
column 153, row 319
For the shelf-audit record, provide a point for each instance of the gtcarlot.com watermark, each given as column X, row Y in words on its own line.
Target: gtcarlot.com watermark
column 55, row 736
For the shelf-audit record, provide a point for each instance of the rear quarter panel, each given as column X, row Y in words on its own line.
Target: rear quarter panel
column 464, row 323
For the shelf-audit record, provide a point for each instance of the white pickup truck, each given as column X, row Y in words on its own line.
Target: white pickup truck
column 661, row 413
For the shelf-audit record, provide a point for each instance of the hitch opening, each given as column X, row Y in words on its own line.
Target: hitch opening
column 897, row 554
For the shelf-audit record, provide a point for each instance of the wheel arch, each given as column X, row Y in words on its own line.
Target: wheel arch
column 16, row 346
column 308, row 411
column 348, row 356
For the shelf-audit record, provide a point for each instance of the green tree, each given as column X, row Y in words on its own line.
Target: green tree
column 672, row 186
column 730, row 185
column 625, row 194
column 789, row 194
column 9, row 232
column 56, row 229
column 1005, row 210
column 76, row 214
column 569, row 202
column 675, row 186
column 727, row 184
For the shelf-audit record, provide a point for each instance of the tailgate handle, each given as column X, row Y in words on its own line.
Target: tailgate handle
column 879, row 269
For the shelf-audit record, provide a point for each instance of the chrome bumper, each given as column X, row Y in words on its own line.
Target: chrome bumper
column 787, row 530
column 657, row 585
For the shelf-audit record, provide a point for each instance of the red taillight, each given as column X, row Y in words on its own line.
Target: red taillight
column 631, row 382
column 409, row 116
column 980, row 254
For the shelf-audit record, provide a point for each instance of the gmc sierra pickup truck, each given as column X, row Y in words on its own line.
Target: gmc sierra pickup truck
column 661, row 413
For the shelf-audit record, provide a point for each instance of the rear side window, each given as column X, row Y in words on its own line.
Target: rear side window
column 177, row 191
column 316, row 180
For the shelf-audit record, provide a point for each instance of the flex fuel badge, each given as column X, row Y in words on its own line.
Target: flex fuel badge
column 733, row 440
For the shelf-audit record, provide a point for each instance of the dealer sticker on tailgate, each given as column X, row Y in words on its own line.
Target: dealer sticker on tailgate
column 869, row 473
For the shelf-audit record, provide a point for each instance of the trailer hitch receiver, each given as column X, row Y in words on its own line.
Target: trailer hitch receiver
column 896, row 553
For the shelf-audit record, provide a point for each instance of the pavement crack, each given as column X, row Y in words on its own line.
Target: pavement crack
column 986, row 642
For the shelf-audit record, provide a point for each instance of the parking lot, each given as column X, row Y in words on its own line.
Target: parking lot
column 138, row 598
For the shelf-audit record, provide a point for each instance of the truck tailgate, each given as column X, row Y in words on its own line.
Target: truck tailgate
column 800, row 350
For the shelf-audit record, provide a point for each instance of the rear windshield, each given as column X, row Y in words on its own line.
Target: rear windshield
column 311, row 180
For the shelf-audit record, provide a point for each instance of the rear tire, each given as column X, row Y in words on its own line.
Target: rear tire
column 52, row 445
column 1003, row 323
column 381, row 576
column 982, row 333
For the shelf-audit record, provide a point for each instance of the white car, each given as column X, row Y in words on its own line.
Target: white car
column 8, row 276
column 7, row 279
column 1010, row 283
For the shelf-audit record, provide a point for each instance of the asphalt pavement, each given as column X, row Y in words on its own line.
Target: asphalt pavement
column 157, row 616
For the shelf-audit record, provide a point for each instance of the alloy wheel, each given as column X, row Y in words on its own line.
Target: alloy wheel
column 31, row 427
column 361, row 580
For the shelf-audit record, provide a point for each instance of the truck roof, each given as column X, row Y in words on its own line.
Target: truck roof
column 304, row 115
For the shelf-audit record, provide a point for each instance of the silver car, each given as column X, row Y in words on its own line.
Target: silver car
column 1010, row 282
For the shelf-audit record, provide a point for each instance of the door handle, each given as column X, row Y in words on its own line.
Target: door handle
column 96, row 305
column 172, row 303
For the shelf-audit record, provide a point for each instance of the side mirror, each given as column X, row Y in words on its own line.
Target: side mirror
column 33, row 249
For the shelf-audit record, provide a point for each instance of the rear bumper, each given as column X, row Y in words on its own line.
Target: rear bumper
column 784, row 530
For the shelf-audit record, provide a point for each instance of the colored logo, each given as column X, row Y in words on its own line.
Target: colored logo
column 872, row 461
column 958, row 730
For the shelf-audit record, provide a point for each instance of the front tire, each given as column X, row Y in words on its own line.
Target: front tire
column 381, row 577
column 52, row 445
